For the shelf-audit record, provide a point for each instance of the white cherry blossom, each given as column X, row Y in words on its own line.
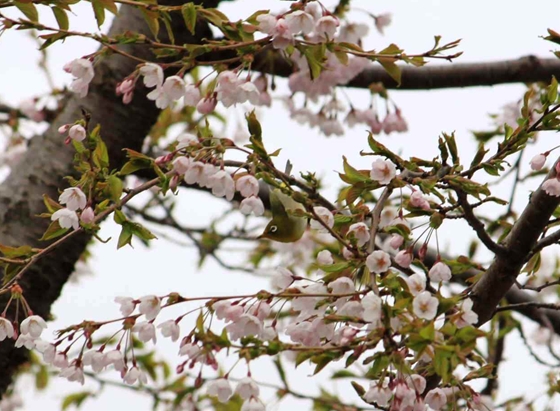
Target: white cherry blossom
column 74, row 198
column 378, row 262
column 425, row 305
column 150, row 306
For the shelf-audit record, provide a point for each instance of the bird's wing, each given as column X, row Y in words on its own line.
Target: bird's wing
column 277, row 201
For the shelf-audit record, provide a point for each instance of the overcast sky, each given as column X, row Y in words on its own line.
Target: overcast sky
column 490, row 31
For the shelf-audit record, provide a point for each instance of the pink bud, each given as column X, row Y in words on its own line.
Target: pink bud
column 127, row 98
column 127, row 86
column 396, row 241
column 64, row 128
column 77, row 132
column 206, row 105
column 87, row 215
column 538, row 162
column 404, row 258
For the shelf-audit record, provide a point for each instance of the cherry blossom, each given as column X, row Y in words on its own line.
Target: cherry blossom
column 372, row 305
column 538, row 162
column 417, row 383
column 181, row 165
column 266, row 23
column 379, row 393
column 468, row 316
column 172, row 90
column 115, row 358
column 87, row 216
column 220, row 388
column 127, row 305
column 396, row 241
column 247, row 186
column 325, row 257
column 135, row 374
column 170, row 329
column 440, row 272
column 73, row 373
column 552, row 187
column 425, row 306
column 66, row 218
column 378, row 262
column 419, row 201
column 325, row 215
column 25, row 340
column 282, row 35
column 353, row 32
column 282, row 279
column 416, row 283
column 60, row 360
column 33, row 326
column 394, row 122
column 382, row 21
column 436, row 399
column 360, row 231
column 325, row 28
column 146, row 331
column 6, row 329
column 150, row 306
column 77, row 132
column 192, row 95
column 225, row 310
column 73, row 198
column 82, row 70
column 222, row 185
column 94, row 358
column 300, row 21
column 207, row 105
column 247, row 388
column 404, row 258
column 153, row 75
column 244, row 326
column 382, row 171
column 342, row 285
column 252, row 205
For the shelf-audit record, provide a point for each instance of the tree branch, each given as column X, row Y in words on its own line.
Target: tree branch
column 528, row 69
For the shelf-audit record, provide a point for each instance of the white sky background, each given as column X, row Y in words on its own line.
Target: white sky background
column 490, row 31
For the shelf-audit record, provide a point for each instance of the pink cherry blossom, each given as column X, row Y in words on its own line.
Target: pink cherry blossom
column 372, row 305
column 404, row 258
column 247, row 186
column 115, row 358
column 222, row 185
column 360, row 231
column 220, row 388
column 252, row 205
column 396, row 241
column 94, row 358
column 419, row 201
column 342, row 285
column 325, row 257
column 382, row 21
column 192, row 95
column 247, row 388
column 146, row 331
column 325, row 215
column 266, row 23
column 127, row 305
column 82, row 70
column 244, row 326
column 87, row 216
column 425, row 305
column 33, row 326
column 225, row 310
column 282, row 279
column 552, row 187
column 379, row 393
column 378, row 262
column 77, row 132
column 150, row 306
column 282, row 36
column 170, row 329
column 66, row 218
column 538, row 162
column 181, row 165
column 325, row 27
column 6, row 329
column 207, row 105
column 300, row 21
column 416, row 283
column 440, row 272
column 383, row 171
column 436, row 399
column 73, row 373
column 153, row 75
column 73, row 198
column 468, row 316
column 252, row 404
column 135, row 374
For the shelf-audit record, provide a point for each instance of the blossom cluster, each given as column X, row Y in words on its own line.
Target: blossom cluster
column 75, row 200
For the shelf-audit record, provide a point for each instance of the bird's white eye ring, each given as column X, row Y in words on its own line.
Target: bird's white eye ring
column 273, row 229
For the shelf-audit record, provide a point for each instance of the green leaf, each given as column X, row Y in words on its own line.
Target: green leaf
column 353, row 175
column 134, row 165
column 42, row 378
column 100, row 155
column 28, row 9
column 343, row 374
column 358, row 388
column 99, row 12
column 16, row 252
column 189, row 15
column 114, row 188
column 315, row 56
column 61, row 17
column 552, row 94
column 51, row 205
column 125, row 236
column 151, row 18
column 75, row 399
column 391, row 68
column 53, row 231
column 119, row 217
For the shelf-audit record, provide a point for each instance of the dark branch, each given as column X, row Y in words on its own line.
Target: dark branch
column 528, row 69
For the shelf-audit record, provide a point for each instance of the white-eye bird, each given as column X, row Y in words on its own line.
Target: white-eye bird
column 284, row 226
